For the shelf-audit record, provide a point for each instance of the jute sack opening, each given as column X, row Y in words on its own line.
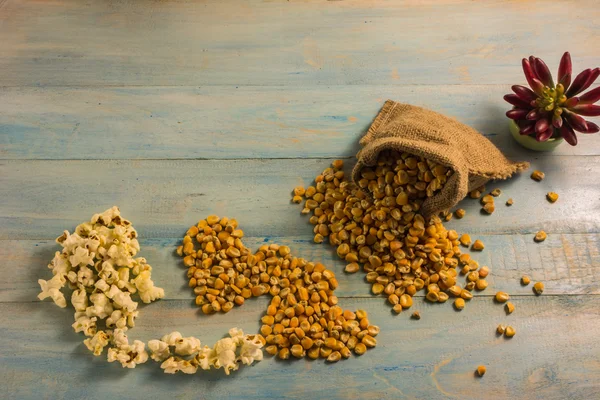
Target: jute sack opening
column 444, row 140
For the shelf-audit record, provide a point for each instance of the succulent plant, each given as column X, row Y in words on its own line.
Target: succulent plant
column 552, row 109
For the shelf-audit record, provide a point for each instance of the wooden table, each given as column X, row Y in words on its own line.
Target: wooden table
column 175, row 110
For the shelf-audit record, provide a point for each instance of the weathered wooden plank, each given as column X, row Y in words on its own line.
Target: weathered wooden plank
column 42, row 198
column 219, row 122
column 553, row 356
column 566, row 263
column 278, row 42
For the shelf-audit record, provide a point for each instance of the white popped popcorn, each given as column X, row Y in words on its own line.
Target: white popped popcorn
column 224, row 355
column 129, row 355
column 160, row 350
column 187, row 346
column 251, row 349
column 52, row 289
column 97, row 343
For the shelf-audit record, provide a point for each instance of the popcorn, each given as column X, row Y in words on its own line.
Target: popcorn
column 128, row 355
column 97, row 343
column 146, row 289
column 251, row 349
column 175, row 364
column 187, row 346
column 160, row 350
column 81, row 256
column 51, row 289
column 85, row 324
column 171, row 338
column 224, row 355
column 79, row 299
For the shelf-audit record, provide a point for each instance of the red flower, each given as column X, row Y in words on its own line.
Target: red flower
column 554, row 110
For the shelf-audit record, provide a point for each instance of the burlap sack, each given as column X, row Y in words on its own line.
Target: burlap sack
column 444, row 140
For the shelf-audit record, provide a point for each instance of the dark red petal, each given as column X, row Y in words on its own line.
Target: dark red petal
column 535, row 83
column 589, row 110
column 572, row 102
column 534, row 114
column 592, row 127
column 543, row 73
column 544, row 135
column 566, row 81
column 568, row 134
column 557, row 121
column 590, row 97
column 542, row 125
column 517, row 113
column 579, row 82
column 524, row 93
column 577, row 122
column 565, row 68
column 516, row 101
column 593, row 76
column 527, row 130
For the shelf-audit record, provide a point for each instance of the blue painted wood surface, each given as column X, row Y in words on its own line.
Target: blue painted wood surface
column 176, row 109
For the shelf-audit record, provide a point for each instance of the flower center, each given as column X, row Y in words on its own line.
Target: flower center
column 552, row 99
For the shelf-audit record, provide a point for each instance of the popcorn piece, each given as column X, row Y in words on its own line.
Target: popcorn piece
column 237, row 335
column 117, row 320
column 224, row 355
column 171, row 338
column 204, row 357
column 160, row 350
column 81, row 256
column 146, row 289
column 120, row 255
column 107, row 216
column 187, row 346
column 60, row 265
column 85, row 324
column 79, row 299
column 251, row 349
column 85, row 276
column 128, row 355
column 175, row 364
column 97, row 343
column 51, row 289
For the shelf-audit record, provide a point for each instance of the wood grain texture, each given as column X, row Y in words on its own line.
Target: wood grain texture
column 566, row 263
column 177, row 109
column 219, row 122
column 551, row 357
column 41, row 198
column 281, row 43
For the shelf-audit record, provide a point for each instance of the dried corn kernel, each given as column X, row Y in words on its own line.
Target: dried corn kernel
column 540, row 236
column 537, row 175
column 489, row 208
column 552, row 197
column 501, row 329
column 502, row 297
column 509, row 202
column 459, row 303
column 538, row 288
column 460, row 213
column 487, row 199
column 416, row 315
column 465, row 240
column 510, row 331
column 509, row 307
column 481, row 370
column 478, row 245
column 525, row 280
column 496, row 192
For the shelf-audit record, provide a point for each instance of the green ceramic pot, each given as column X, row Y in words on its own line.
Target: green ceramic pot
column 530, row 143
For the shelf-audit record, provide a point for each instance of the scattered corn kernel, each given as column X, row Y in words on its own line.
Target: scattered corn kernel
column 509, row 202
column 501, row 329
column 478, row 245
column 481, row 284
column 496, row 192
column 484, row 271
column 489, row 208
column 538, row 288
column 525, row 280
column 509, row 307
column 459, row 303
column 416, row 315
column 540, row 236
column 510, row 331
column 297, row 199
column 537, row 175
column 459, row 213
column 481, row 370
column 465, row 240
column 502, row 297
column 552, row 197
